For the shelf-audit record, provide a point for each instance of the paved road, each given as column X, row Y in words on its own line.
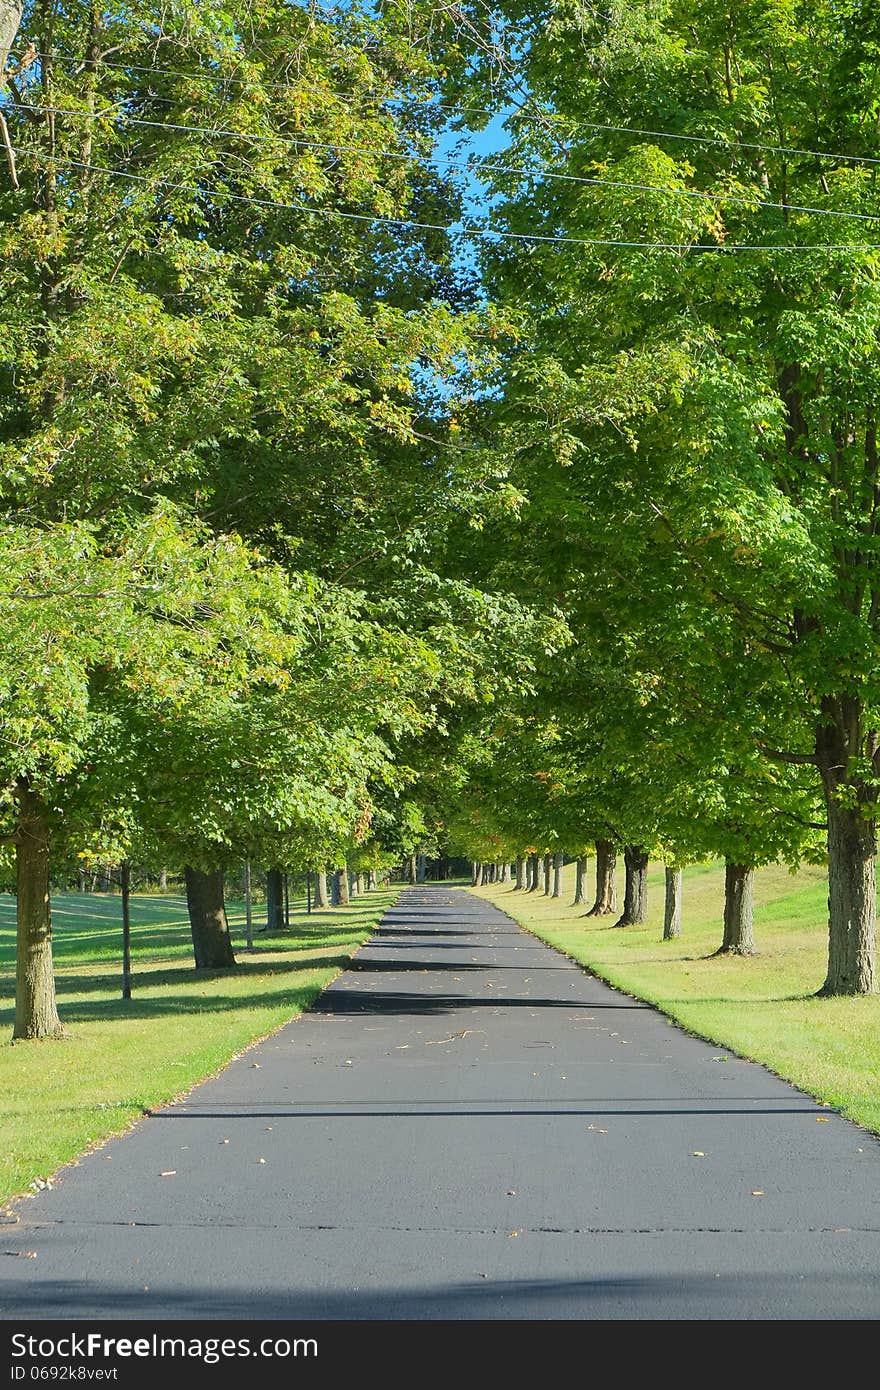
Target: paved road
column 466, row 1126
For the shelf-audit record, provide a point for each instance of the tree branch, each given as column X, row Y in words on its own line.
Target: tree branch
column 10, row 152
column 782, row 755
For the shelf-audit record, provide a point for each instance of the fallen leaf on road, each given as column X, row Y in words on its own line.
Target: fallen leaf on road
column 29, row 1254
column 698, row 1153
column 511, row 1234
column 511, row 1192
column 261, row 1160
column 822, row 1120
column 224, row 1141
column 255, row 1066
column 168, row 1173
column 758, row 1192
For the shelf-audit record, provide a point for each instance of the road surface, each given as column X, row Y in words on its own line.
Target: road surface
column 466, row 1125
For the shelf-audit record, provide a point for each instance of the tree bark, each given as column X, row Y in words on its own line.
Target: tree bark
column 580, row 883
column 852, row 903
column 476, row 873
column 635, row 899
column 505, row 872
column 606, row 888
column 411, row 869
column 341, row 880
column 212, row 943
column 672, row 907
column 274, row 900
column 353, row 885
column 10, row 21
column 36, row 1012
column 520, row 879
column 321, row 896
column 163, row 880
column 421, row 868
column 557, row 874
column 739, row 935
column 534, row 870
column 546, row 863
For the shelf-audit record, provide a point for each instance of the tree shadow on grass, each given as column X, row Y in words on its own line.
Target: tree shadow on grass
column 117, row 1010
column 188, row 976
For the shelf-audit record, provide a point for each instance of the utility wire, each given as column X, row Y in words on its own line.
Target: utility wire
column 453, row 229
column 450, row 161
column 489, row 112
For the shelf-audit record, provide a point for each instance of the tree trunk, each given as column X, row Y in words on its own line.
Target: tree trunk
column 606, row 888
column 334, row 888
column 82, row 880
column 475, row 874
column 373, row 879
column 635, row 900
column 106, row 879
column 852, row 903
column 672, row 907
column 212, row 943
column 36, row 1013
column 505, row 872
column 545, row 875
column 580, row 884
column 321, row 897
column 739, row 935
column 411, row 870
column 421, row 868
column 343, row 896
column 534, row 872
column 285, row 879
column 557, row 874
column 353, row 889
column 10, row 19
column 274, row 900
column 163, row 880
column 520, row 872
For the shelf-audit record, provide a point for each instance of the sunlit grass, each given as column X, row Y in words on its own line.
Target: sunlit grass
column 763, row 1007
column 121, row 1057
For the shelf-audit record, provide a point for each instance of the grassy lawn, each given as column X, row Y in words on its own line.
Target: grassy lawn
column 121, row 1057
column 762, row 1007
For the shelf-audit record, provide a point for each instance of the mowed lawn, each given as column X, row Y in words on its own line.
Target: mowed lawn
column 121, row 1057
column 762, row 1007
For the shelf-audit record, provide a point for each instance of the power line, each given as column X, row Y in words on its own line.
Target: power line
column 453, row 229
column 450, row 161
column 430, row 103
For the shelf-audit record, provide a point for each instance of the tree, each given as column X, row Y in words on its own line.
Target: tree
column 702, row 399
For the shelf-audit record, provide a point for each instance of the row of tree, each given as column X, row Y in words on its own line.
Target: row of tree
column 321, row 540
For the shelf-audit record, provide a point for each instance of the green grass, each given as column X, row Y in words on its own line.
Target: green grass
column 122, row 1057
column 763, row 1007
